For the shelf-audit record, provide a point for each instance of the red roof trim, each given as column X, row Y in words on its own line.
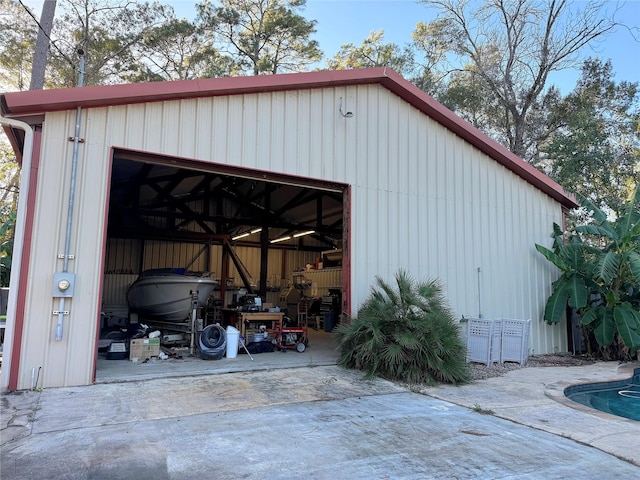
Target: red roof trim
column 39, row 101
column 25, row 261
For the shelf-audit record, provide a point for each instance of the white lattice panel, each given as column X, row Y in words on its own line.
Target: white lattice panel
column 514, row 340
column 480, row 337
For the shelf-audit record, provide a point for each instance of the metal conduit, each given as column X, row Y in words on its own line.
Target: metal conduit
column 72, row 192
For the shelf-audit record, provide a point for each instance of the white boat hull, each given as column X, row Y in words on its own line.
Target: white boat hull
column 168, row 297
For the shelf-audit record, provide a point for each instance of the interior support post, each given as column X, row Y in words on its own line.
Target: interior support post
column 264, row 246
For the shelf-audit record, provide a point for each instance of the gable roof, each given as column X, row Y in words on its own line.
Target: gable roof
column 38, row 102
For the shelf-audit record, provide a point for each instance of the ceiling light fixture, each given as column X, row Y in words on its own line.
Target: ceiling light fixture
column 242, row 235
column 344, row 114
column 302, row 234
column 281, row 239
column 246, row 234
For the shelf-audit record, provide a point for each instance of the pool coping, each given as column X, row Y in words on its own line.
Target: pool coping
column 555, row 391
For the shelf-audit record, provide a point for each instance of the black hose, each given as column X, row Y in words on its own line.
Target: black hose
column 212, row 342
column 213, row 336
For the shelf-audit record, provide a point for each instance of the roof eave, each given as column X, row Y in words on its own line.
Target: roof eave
column 39, row 101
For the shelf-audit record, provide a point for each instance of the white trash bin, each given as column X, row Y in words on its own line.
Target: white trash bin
column 233, row 336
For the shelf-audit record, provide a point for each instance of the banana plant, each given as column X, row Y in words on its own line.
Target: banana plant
column 600, row 274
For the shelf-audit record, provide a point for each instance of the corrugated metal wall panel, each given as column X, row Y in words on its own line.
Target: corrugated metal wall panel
column 478, row 215
column 296, row 261
column 159, row 254
column 134, row 133
column 322, row 280
column 122, row 256
column 57, row 363
column 114, row 288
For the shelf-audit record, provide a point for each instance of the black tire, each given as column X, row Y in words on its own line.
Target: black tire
column 213, row 336
column 211, row 354
column 204, row 348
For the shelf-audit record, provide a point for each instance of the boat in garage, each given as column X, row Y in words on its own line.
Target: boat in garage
column 168, row 294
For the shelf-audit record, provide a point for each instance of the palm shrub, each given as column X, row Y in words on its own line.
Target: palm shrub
column 600, row 278
column 406, row 333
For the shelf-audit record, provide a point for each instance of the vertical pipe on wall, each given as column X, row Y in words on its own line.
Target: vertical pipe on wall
column 18, row 243
column 72, row 191
column 479, row 297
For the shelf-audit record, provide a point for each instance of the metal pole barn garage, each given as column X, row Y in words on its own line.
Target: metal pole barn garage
column 169, row 172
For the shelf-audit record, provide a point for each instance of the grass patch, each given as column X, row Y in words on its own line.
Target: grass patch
column 484, row 411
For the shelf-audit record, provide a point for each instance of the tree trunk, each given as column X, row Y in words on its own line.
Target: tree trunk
column 42, row 45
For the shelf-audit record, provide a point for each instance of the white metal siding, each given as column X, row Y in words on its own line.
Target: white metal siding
column 444, row 211
column 422, row 199
column 69, row 361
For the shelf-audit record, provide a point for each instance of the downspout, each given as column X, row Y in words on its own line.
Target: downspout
column 18, row 243
column 72, row 190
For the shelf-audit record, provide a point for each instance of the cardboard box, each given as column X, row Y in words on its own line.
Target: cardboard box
column 144, row 348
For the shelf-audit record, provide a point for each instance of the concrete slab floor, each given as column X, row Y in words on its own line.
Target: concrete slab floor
column 320, row 351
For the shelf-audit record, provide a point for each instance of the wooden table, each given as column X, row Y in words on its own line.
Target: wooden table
column 249, row 322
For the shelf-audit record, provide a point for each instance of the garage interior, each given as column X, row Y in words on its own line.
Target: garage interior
column 271, row 243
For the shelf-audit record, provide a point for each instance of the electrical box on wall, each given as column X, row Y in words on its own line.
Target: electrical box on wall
column 63, row 283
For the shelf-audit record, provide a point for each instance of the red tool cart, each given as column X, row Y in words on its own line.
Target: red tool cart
column 292, row 336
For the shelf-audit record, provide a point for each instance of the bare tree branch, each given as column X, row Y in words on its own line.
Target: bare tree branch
column 511, row 46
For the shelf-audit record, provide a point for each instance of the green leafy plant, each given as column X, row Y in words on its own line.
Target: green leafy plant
column 484, row 411
column 600, row 265
column 6, row 247
column 406, row 333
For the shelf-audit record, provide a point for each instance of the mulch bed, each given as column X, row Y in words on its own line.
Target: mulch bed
column 480, row 371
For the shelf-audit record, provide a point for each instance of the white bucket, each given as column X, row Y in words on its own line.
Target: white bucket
column 233, row 336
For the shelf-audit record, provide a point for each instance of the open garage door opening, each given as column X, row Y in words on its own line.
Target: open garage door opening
column 264, row 254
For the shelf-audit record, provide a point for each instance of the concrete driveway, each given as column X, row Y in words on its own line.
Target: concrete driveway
column 310, row 422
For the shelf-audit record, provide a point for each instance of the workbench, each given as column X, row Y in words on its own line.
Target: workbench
column 249, row 322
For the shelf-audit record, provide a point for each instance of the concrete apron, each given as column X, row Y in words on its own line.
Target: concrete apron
column 309, row 422
column 535, row 397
